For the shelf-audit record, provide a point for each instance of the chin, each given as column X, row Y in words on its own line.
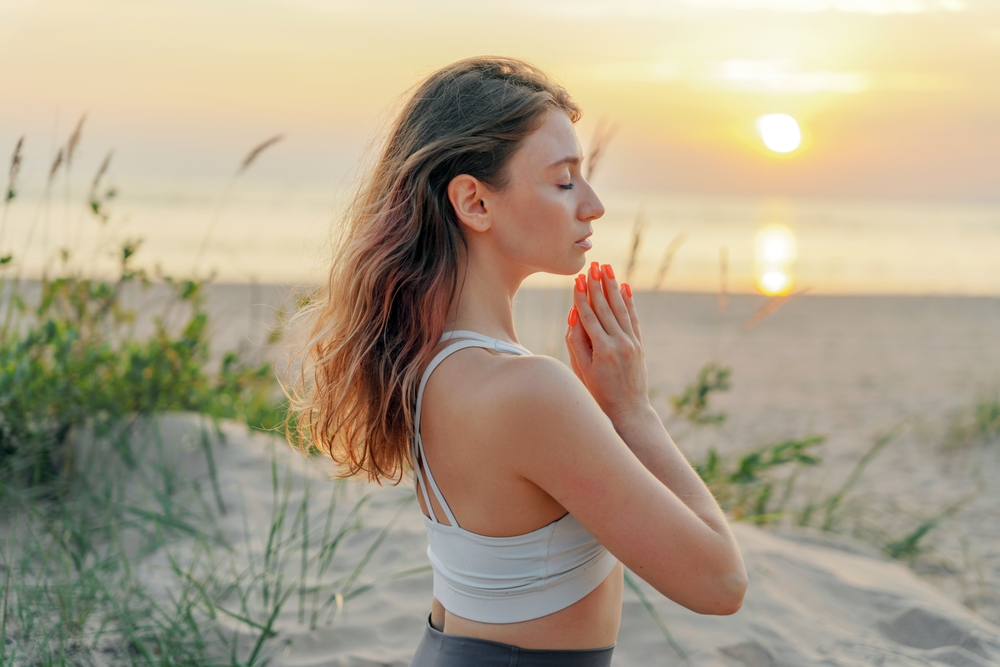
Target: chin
column 563, row 266
column 571, row 267
column 578, row 264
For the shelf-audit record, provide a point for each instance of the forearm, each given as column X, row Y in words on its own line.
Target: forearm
column 645, row 435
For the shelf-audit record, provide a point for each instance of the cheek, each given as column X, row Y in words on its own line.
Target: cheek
column 542, row 219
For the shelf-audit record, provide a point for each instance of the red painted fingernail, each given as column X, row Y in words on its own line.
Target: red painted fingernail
column 574, row 317
column 609, row 272
column 581, row 283
column 595, row 271
column 628, row 290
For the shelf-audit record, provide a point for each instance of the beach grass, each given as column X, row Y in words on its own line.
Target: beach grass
column 758, row 485
column 109, row 550
column 133, row 568
column 979, row 424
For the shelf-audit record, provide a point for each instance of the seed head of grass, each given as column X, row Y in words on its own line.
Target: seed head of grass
column 15, row 170
column 56, row 163
column 74, row 140
column 257, row 150
column 603, row 134
column 723, row 279
column 638, row 229
column 668, row 258
column 770, row 307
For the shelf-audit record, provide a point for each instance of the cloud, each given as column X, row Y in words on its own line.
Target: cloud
column 644, row 9
column 779, row 76
column 652, row 72
column 756, row 76
column 854, row 6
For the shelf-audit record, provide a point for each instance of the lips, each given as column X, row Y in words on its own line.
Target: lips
column 585, row 242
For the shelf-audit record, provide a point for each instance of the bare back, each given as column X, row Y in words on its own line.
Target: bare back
column 464, row 428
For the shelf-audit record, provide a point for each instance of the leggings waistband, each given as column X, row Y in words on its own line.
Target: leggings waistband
column 436, row 649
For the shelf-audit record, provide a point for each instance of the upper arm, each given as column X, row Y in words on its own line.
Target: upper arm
column 564, row 443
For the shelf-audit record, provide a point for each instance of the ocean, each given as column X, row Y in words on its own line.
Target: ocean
column 281, row 234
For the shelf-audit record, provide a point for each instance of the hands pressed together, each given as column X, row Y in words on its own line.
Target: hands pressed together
column 605, row 344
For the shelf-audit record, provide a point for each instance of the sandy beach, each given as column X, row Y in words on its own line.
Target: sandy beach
column 335, row 573
column 850, row 368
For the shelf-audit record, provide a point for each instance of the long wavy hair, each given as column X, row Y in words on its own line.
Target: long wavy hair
column 373, row 326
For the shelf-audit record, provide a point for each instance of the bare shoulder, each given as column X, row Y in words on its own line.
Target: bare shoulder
column 530, row 379
column 533, row 418
column 549, row 419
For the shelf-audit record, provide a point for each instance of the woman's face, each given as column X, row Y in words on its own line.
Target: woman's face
column 542, row 219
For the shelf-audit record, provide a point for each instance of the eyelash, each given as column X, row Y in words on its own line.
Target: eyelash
column 568, row 186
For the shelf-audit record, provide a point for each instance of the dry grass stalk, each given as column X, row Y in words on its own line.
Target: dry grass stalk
column 54, row 169
column 244, row 165
column 99, row 175
column 15, row 169
column 74, row 140
column 603, row 134
column 723, row 279
column 770, row 307
column 668, row 258
column 638, row 228
column 257, row 150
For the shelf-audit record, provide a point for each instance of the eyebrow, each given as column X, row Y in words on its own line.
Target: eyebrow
column 572, row 159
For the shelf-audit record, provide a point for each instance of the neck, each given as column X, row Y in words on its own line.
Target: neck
column 484, row 299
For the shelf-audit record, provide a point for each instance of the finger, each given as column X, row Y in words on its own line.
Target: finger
column 572, row 358
column 626, row 294
column 577, row 343
column 572, row 321
column 599, row 302
column 615, row 300
column 588, row 319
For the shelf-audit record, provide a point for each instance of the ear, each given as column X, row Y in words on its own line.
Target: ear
column 469, row 197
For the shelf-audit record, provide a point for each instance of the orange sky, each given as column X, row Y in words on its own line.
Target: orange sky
column 896, row 98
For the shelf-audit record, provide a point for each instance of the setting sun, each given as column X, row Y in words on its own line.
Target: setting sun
column 780, row 132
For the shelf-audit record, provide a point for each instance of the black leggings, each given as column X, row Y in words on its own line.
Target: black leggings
column 436, row 649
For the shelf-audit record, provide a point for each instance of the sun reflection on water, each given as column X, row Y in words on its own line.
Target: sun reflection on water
column 775, row 251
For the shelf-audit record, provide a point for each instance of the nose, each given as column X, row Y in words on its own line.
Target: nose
column 591, row 207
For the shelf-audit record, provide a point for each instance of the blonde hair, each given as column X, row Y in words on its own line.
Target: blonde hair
column 376, row 321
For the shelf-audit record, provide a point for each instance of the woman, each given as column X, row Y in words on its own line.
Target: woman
column 554, row 478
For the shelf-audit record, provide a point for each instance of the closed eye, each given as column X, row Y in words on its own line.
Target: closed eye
column 568, row 186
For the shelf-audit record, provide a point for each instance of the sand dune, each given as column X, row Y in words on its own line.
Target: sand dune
column 812, row 600
column 850, row 368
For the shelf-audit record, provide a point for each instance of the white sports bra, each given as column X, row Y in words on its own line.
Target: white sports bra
column 503, row 579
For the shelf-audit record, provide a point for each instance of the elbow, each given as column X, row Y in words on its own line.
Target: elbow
column 728, row 606
column 732, row 589
column 727, row 594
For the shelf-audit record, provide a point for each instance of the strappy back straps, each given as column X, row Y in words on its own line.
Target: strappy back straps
column 464, row 339
column 497, row 345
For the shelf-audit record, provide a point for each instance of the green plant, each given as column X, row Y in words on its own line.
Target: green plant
column 744, row 486
column 908, row 546
column 692, row 403
column 69, row 362
column 833, row 504
column 979, row 424
column 88, row 495
column 75, row 565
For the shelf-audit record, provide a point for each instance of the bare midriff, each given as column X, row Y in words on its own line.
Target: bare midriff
column 591, row 622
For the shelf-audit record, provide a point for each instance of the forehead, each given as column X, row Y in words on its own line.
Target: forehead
column 554, row 140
